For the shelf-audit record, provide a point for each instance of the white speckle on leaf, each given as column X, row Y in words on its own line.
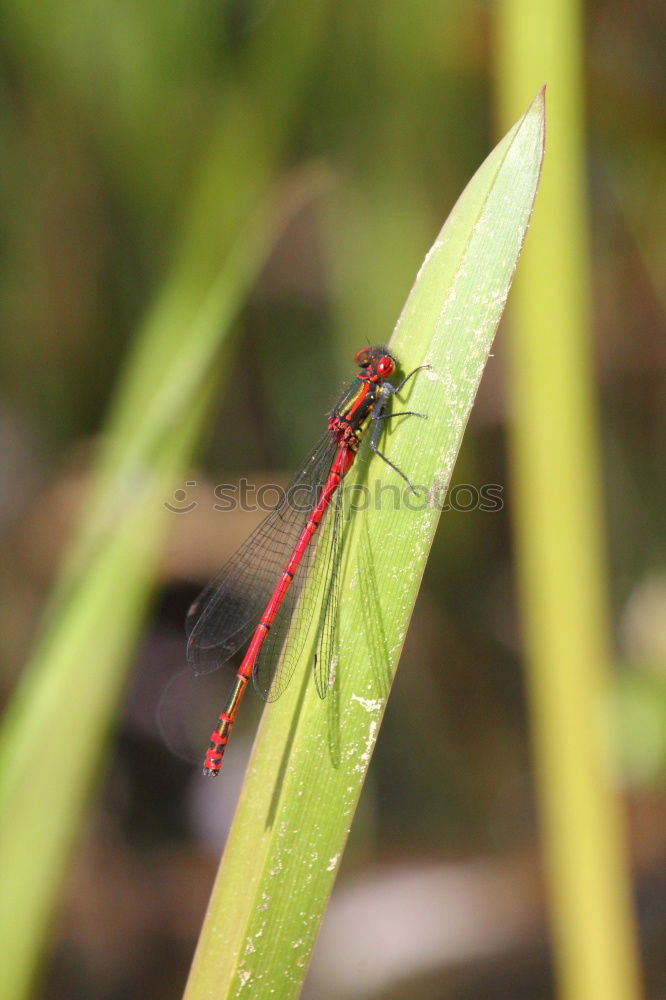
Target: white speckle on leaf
column 369, row 704
column 364, row 758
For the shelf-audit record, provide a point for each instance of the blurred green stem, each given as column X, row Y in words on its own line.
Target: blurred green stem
column 558, row 523
column 59, row 717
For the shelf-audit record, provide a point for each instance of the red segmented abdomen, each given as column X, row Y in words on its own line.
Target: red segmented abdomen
column 342, row 463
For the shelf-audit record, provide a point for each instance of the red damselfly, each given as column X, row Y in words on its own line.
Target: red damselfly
column 260, row 594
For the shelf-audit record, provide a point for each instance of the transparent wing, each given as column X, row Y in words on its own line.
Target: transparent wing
column 326, row 649
column 298, row 612
column 226, row 613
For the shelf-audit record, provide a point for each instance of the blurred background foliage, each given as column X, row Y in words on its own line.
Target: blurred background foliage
column 122, row 124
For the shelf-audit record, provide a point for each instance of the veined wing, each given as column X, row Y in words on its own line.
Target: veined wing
column 300, row 608
column 227, row 611
column 325, row 661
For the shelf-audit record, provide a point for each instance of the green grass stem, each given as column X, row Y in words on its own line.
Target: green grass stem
column 58, row 721
column 558, row 524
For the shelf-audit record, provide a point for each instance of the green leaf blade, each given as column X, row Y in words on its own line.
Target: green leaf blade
column 311, row 755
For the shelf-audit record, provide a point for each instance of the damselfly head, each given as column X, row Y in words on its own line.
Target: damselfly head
column 377, row 361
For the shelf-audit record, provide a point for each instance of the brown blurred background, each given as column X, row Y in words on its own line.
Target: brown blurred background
column 107, row 113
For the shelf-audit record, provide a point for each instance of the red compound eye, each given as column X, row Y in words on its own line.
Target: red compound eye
column 385, row 366
column 376, row 361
